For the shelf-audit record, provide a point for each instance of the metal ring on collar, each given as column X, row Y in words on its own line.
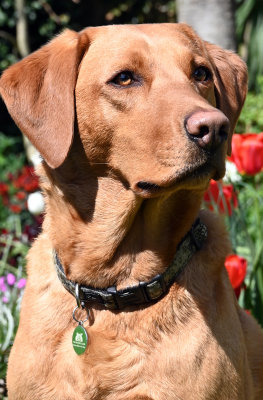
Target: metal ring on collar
column 81, row 322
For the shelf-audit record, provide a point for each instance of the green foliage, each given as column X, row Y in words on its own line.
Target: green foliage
column 251, row 118
column 249, row 21
column 246, row 231
column 142, row 12
column 9, row 161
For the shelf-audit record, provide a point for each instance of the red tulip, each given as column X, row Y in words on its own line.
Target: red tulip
column 223, row 195
column 3, row 189
column 236, row 267
column 20, row 195
column 247, row 152
column 27, row 180
column 15, row 208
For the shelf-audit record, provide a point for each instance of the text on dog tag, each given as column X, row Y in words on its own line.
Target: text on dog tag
column 79, row 339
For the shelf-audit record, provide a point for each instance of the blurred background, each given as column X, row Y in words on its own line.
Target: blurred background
column 25, row 25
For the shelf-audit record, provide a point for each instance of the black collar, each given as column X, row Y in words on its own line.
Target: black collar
column 145, row 292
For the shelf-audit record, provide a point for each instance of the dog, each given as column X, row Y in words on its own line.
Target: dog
column 127, row 296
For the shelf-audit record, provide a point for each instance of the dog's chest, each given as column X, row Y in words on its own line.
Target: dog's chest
column 186, row 363
column 161, row 353
column 178, row 366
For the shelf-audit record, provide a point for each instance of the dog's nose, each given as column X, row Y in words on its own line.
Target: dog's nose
column 209, row 129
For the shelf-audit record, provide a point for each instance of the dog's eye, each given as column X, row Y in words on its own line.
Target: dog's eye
column 124, row 78
column 202, row 74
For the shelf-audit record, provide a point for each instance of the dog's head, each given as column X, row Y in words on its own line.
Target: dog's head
column 154, row 105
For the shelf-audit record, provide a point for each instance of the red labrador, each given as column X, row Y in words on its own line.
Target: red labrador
column 132, row 122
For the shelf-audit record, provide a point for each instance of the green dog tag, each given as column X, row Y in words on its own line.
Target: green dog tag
column 79, row 339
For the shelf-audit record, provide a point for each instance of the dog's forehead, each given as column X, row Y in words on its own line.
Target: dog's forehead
column 120, row 44
column 144, row 35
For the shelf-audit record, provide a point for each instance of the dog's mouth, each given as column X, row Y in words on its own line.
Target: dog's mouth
column 194, row 177
column 147, row 190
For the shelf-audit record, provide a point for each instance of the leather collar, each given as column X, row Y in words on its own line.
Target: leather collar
column 145, row 292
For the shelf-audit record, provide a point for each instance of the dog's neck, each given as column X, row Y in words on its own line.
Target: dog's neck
column 110, row 235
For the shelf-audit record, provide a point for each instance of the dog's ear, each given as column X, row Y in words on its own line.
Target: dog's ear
column 230, row 82
column 39, row 94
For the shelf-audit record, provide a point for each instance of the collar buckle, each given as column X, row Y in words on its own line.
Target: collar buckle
column 156, row 288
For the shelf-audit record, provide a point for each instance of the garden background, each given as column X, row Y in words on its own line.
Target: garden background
column 25, row 26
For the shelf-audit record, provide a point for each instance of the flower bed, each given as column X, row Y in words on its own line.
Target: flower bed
column 239, row 197
column 18, row 228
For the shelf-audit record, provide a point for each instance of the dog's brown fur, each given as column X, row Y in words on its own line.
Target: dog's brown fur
column 195, row 343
